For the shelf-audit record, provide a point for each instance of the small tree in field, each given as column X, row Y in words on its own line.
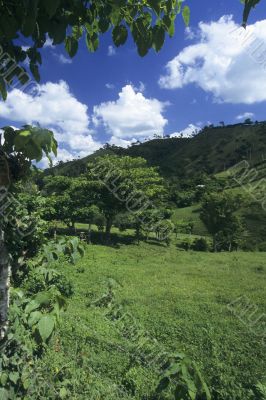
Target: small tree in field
column 220, row 218
column 124, row 184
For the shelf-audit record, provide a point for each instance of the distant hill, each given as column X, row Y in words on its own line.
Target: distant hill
column 213, row 150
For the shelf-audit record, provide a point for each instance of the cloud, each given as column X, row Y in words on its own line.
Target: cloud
column 140, row 88
column 53, row 106
column 121, row 142
column 62, row 59
column 189, row 131
column 48, row 43
column 110, row 86
column 111, row 51
column 225, row 60
column 189, row 33
column 131, row 115
column 246, row 115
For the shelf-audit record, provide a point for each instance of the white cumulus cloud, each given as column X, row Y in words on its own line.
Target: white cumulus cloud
column 189, row 131
column 225, row 60
column 53, row 106
column 245, row 116
column 131, row 115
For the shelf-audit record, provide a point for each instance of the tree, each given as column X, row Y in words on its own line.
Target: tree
column 248, row 121
column 124, row 184
column 64, row 21
column 26, row 25
column 220, row 218
column 72, row 200
column 20, row 147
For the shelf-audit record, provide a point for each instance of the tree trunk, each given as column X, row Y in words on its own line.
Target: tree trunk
column 5, row 272
column 214, row 244
column 108, row 227
column 89, row 234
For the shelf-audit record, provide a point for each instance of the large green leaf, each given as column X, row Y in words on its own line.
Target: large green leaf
column 51, row 6
column 248, row 5
column 158, row 36
column 34, row 317
column 46, row 326
column 92, row 42
column 71, row 45
column 186, row 15
column 120, row 35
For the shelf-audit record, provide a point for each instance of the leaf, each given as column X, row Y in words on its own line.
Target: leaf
column 104, row 24
column 186, row 15
column 29, row 22
column 34, row 317
column 14, row 377
column 92, row 42
column 43, row 298
column 248, row 5
column 155, row 5
column 77, row 32
column 171, row 29
column 51, row 6
column 4, row 394
column 46, row 326
column 158, row 36
column 119, row 35
column 33, row 305
column 58, row 31
column 63, row 393
column 71, row 45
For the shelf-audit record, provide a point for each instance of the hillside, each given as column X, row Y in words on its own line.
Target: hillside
column 213, row 150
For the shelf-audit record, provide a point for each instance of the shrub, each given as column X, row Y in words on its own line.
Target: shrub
column 200, row 244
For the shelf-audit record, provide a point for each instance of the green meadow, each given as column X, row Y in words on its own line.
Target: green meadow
column 178, row 300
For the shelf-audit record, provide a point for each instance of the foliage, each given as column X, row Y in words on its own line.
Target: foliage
column 260, row 391
column 67, row 22
column 219, row 215
column 71, row 200
column 23, row 226
column 21, row 146
column 249, row 4
column 34, row 315
column 124, row 184
column 71, row 248
column 188, row 162
column 184, row 377
column 200, row 244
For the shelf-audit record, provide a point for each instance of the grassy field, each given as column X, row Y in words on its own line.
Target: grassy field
column 180, row 299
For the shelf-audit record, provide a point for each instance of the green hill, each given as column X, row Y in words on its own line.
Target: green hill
column 213, row 150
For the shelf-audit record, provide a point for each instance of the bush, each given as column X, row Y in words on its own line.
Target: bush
column 200, row 244
column 262, row 246
column 40, row 279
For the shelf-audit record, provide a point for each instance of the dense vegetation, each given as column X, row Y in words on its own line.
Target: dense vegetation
column 213, row 150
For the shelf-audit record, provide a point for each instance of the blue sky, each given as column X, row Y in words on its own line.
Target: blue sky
column 208, row 73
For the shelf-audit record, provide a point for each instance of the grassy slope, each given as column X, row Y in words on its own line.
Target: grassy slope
column 180, row 299
column 212, row 151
